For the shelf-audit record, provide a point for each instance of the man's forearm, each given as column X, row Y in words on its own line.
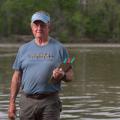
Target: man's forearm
column 15, row 86
column 14, row 91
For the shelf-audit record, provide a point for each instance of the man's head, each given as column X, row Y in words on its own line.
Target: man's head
column 40, row 22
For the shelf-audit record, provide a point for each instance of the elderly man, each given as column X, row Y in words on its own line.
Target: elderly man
column 35, row 63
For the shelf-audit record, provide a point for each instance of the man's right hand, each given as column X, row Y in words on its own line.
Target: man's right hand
column 12, row 111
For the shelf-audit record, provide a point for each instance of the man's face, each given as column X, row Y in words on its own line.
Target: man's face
column 40, row 29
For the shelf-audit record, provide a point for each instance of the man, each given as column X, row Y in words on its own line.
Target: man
column 35, row 63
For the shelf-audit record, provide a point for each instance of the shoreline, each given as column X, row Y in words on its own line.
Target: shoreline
column 73, row 45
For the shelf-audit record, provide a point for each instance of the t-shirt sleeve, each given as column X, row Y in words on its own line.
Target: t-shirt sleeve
column 17, row 62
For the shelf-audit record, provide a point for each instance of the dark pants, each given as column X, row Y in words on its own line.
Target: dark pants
column 47, row 108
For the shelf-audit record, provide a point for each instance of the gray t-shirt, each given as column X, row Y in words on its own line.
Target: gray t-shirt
column 37, row 63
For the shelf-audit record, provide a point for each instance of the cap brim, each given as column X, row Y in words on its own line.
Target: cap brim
column 39, row 20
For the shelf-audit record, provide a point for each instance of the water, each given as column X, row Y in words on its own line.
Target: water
column 93, row 95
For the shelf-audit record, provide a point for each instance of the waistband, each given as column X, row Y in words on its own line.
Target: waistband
column 40, row 96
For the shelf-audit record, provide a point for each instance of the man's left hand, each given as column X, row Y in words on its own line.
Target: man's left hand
column 58, row 74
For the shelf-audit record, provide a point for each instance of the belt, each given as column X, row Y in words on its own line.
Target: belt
column 40, row 96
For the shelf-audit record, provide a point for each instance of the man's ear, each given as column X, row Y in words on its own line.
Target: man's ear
column 49, row 26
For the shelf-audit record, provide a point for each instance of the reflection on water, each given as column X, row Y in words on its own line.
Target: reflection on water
column 93, row 95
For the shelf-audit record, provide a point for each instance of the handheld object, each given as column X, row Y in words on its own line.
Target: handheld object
column 65, row 66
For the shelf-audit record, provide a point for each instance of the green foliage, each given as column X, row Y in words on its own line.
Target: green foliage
column 103, row 20
column 72, row 20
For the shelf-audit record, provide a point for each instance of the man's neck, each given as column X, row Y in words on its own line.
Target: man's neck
column 41, row 42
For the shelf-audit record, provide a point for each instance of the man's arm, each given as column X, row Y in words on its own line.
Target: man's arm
column 68, row 76
column 14, row 89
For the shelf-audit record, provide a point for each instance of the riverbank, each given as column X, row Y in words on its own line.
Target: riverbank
column 83, row 45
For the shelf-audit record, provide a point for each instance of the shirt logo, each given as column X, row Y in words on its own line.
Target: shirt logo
column 41, row 56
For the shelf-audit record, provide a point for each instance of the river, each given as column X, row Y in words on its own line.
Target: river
column 94, row 94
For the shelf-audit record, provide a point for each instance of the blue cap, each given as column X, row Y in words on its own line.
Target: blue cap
column 42, row 16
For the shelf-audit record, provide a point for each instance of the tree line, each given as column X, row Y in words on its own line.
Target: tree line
column 71, row 20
